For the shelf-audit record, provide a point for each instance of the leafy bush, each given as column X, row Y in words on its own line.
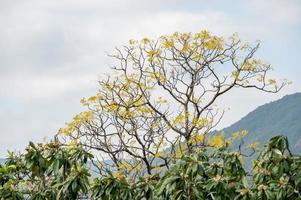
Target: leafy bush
column 55, row 171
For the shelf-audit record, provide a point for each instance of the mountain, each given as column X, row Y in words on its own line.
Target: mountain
column 278, row 117
column 2, row 161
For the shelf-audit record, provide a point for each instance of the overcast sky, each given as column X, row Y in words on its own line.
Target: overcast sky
column 53, row 52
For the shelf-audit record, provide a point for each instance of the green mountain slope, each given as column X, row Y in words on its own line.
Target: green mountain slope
column 279, row 117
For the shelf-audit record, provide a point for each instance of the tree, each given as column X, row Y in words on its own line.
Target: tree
column 159, row 102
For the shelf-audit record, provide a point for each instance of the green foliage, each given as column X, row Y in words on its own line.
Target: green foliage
column 46, row 171
column 53, row 172
column 111, row 187
column 218, row 176
column 277, row 173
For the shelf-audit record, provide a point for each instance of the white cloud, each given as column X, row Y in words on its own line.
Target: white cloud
column 278, row 11
column 28, row 88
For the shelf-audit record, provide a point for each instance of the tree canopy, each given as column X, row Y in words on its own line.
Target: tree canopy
column 159, row 101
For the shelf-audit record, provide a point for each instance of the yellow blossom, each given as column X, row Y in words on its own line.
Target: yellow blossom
column 132, row 41
column 83, row 101
column 126, row 166
column 74, row 142
column 145, row 41
column 236, row 135
column 66, row 131
column 260, row 78
column 179, row 119
column 185, row 48
column 272, row 81
column 77, row 121
column 235, row 75
column 92, row 98
column 244, row 133
column 112, row 107
column 253, row 145
column 196, row 138
column 168, row 44
column 179, row 153
column 157, row 155
column 216, row 141
column 199, row 137
column 153, row 53
column 144, row 109
column 202, row 35
column 185, row 36
column 239, row 135
column 199, row 122
column 228, row 141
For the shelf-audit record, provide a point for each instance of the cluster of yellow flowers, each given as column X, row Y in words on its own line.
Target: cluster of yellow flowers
column 153, row 54
column 92, row 99
column 272, row 82
column 196, row 138
column 168, row 43
column 251, row 65
column 189, row 42
column 117, row 97
column 214, row 43
column 240, row 134
column 199, row 122
column 180, row 151
column 180, row 119
column 157, row 155
column 183, row 43
column 253, row 145
column 216, row 141
column 158, row 77
column 77, row 122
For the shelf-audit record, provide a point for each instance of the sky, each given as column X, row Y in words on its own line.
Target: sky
column 53, row 52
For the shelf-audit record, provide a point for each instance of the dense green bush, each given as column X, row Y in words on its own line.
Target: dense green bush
column 54, row 171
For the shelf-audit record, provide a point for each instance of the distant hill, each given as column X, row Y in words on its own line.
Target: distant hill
column 279, row 117
column 2, row 161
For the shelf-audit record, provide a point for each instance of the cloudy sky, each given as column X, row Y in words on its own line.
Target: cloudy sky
column 53, row 52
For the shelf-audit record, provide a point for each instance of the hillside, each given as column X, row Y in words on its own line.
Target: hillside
column 279, row 117
column 2, row 161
